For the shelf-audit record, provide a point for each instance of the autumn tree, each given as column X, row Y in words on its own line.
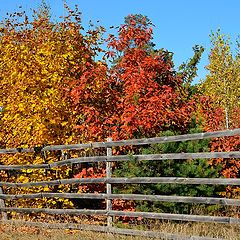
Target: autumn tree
column 219, row 103
column 38, row 61
column 148, row 89
column 223, row 82
column 140, row 95
column 94, row 102
column 154, row 100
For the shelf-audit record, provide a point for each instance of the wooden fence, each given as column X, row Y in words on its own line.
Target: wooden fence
column 109, row 180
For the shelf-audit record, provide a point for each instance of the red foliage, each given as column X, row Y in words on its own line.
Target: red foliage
column 117, row 204
column 139, row 96
column 212, row 117
column 214, row 120
column 92, row 173
column 93, row 101
column 148, row 98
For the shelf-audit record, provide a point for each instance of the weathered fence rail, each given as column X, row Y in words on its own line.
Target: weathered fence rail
column 120, row 158
column 140, row 180
column 109, row 180
column 142, row 141
column 136, row 197
column 151, row 215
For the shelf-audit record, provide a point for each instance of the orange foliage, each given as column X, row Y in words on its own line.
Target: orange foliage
column 140, row 95
column 214, row 120
column 117, row 204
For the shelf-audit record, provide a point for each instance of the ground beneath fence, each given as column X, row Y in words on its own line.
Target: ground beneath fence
column 30, row 233
column 8, row 232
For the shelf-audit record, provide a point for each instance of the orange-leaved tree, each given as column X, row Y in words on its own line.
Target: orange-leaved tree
column 150, row 97
column 140, row 95
column 213, row 118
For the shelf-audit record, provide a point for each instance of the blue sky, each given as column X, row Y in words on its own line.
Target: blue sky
column 180, row 24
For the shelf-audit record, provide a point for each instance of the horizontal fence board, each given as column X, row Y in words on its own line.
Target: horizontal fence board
column 150, row 215
column 82, row 160
column 16, row 150
column 183, row 199
column 53, row 195
column 143, row 141
column 149, row 157
column 79, row 146
column 176, row 180
column 178, row 138
column 104, row 229
column 55, row 211
column 177, row 156
column 21, row 167
column 136, row 197
column 134, row 180
column 177, row 217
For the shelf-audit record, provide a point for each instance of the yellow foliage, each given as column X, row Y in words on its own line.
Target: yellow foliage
column 38, row 60
column 223, row 81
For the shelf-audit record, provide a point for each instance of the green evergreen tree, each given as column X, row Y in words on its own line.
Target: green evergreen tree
column 198, row 168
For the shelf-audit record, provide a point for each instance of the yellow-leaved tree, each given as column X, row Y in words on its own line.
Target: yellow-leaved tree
column 222, row 83
column 39, row 59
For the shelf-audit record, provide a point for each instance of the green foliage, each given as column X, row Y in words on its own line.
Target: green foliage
column 198, row 168
column 188, row 69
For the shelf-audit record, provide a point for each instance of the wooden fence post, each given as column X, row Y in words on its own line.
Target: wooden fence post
column 2, row 205
column 109, row 186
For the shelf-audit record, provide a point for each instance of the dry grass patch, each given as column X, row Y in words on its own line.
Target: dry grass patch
column 21, row 232
column 31, row 233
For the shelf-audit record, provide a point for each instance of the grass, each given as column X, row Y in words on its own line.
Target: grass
column 21, row 232
column 30, row 233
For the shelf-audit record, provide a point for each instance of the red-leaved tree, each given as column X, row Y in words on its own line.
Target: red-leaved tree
column 140, row 95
